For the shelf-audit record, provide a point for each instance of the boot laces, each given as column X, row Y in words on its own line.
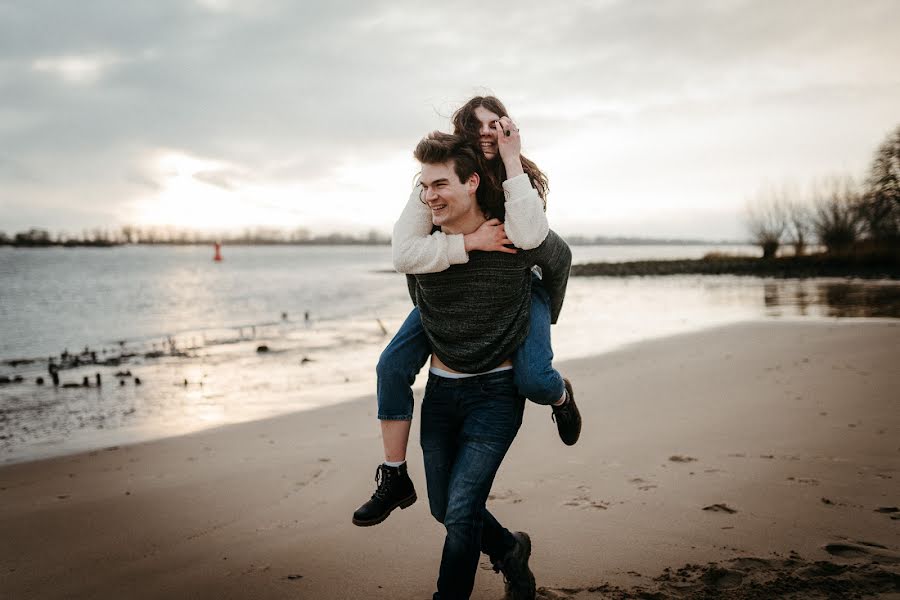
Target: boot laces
column 498, row 568
column 381, row 477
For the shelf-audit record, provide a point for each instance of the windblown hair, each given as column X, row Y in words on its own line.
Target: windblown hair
column 438, row 147
column 466, row 124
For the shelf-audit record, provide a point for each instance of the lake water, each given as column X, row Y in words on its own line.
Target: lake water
column 147, row 300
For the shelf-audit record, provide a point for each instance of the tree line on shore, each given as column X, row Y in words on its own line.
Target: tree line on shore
column 844, row 215
column 170, row 236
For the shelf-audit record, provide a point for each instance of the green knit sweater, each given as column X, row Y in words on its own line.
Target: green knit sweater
column 476, row 314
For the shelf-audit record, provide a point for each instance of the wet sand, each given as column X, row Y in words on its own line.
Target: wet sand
column 769, row 449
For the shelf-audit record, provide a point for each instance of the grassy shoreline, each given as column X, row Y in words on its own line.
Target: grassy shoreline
column 871, row 266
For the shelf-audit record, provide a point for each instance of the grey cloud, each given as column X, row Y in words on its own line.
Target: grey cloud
column 221, row 178
column 281, row 89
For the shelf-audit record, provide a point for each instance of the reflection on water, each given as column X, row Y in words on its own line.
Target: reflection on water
column 833, row 298
column 603, row 313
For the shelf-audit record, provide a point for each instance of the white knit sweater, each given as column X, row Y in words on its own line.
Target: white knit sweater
column 416, row 250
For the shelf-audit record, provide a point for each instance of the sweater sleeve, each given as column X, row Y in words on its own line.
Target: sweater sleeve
column 415, row 249
column 526, row 221
column 554, row 258
column 411, row 288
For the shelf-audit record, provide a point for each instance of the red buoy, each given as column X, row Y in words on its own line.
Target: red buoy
column 218, row 256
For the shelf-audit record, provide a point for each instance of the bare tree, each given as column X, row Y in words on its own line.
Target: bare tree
column 766, row 219
column 880, row 205
column 836, row 219
column 798, row 216
column 129, row 234
column 799, row 224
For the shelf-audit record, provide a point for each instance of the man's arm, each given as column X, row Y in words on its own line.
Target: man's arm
column 555, row 260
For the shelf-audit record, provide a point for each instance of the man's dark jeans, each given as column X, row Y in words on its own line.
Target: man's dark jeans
column 467, row 427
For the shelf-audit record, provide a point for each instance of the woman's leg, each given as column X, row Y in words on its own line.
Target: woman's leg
column 535, row 376
column 397, row 369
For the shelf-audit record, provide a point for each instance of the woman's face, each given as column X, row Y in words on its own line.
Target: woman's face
column 487, row 134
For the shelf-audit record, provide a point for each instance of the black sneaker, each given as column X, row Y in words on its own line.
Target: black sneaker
column 395, row 488
column 567, row 417
column 517, row 577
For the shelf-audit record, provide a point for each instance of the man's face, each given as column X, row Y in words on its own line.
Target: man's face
column 451, row 201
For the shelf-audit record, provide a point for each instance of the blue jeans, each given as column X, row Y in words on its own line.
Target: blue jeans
column 467, row 427
column 404, row 356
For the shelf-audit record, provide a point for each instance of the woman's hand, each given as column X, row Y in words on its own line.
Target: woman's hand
column 509, row 144
column 490, row 237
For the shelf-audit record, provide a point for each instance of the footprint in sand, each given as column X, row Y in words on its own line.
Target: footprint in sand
column 642, row 484
column 863, row 550
column 551, row 594
column 584, row 500
column 506, row 496
column 682, row 459
column 804, row 480
column 721, row 579
column 846, row 550
column 256, row 569
column 312, row 477
column 720, row 507
column 830, row 502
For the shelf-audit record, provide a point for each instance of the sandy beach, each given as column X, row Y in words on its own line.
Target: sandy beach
column 768, row 448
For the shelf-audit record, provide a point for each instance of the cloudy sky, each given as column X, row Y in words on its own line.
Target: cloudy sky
column 650, row 118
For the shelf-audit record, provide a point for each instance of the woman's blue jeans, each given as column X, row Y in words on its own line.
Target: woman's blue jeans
column 404, row 356
column 467, row 426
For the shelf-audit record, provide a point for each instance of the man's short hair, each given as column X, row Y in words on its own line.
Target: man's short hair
column 438, row 147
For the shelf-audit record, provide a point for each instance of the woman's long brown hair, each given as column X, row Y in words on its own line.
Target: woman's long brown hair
column 466, row 124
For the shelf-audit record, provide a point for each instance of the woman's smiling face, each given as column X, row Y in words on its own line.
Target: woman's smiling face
column 487, row 133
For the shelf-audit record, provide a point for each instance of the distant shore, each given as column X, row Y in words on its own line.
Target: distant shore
column 882, row 266
column 332, row 240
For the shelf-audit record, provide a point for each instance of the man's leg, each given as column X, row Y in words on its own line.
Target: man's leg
column 438, row 435
column 397, row 369
column 492, row 411
column 535, row 376
column 509, row 553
